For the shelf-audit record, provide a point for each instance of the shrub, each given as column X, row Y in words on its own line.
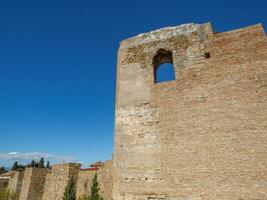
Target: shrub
column 7, row 195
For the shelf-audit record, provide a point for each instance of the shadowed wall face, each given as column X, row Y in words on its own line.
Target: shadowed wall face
column 15, row 182
column 200, row 136
column 33, row 183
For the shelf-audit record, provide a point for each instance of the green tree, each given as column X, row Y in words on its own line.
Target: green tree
column 70, row 190
column 32, row 163
column 2, row 170
column 84, row 197
column 15, row 166
column 48, row 165
column 7, row 195
column 20, row 168
column 41, row 163
column 95, row 189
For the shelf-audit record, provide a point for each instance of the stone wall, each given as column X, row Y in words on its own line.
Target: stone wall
column 15, row 182
column 202, row 136
column 84, row 182
column 57, row 180
column 3, row 183
column 33, row 183
column 104, row 175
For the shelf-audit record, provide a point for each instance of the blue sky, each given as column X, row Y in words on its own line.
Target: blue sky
column 58, row 68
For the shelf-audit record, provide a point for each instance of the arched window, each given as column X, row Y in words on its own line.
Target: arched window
column 163, row 66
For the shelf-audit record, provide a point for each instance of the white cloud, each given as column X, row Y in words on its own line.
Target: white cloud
column 13, row 153
column 27, row 157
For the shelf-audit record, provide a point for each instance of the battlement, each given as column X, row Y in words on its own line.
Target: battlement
column 166, row 33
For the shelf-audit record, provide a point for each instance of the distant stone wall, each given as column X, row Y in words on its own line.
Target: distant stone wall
column 104, row 175
column 105, row 180
column 15, row 182
column 84, row 182
column 57, row 180
column 3, row 183
column 33, row 183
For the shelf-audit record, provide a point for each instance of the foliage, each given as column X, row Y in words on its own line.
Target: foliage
column 48, row 165
column 70, row 190
column 32, row 163
column 2, row 170
column 7, row 195
column 41, row 163
column 84, row 197
column 95, row 189
column 15, row 165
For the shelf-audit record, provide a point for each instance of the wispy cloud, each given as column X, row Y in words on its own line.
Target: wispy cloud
column 26, row 157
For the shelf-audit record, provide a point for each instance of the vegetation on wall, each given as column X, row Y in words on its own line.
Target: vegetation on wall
column 7, row 195
column 70, row 190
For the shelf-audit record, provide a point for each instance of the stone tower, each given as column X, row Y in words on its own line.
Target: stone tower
column 201, row 136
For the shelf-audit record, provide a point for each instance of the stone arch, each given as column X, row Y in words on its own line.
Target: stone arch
column 163, row 58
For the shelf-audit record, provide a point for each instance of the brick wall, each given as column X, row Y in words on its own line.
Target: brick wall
column 202, row 136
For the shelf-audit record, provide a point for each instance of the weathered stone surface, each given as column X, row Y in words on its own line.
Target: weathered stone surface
column 33, row 183
column 104, row 175
column 57, row 179
column 3, row 183
column 15, row 182
column 202, row 136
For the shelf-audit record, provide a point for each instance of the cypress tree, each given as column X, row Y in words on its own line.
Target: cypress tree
column 2, row 170
column 70, row 190
column 48, row 165
column 94, row 190
column 15, row 166
column 32, row 163
column 41, row 163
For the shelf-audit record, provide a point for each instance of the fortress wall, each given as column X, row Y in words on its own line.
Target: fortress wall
column 57, row 180
column 202, row 136
column 33, row 183
column 3, row 183
column 84, row 182
column 15, row 182
column 104, row 176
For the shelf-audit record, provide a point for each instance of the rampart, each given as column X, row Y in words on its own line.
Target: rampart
column 201, row 136
column 15, row 182
column 104, row 175
column 57, row 179
column 33, row 184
